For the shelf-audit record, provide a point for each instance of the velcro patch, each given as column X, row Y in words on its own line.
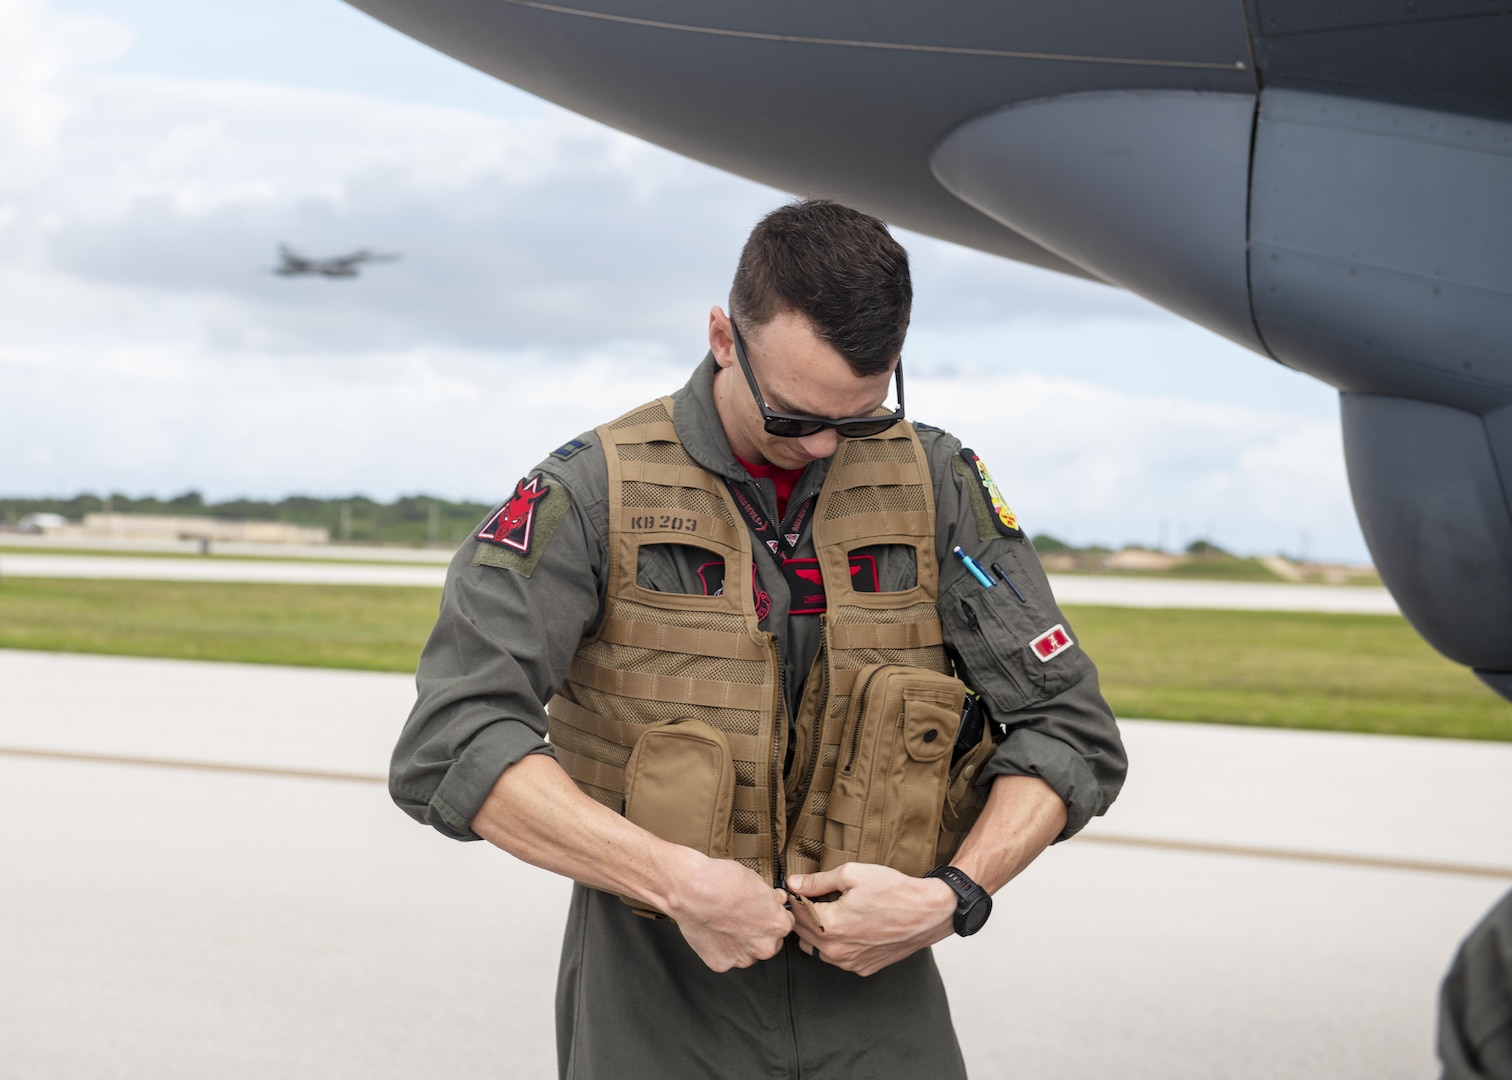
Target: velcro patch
column 515, row 535
column 806, row 583
column 999, row 515
column 1051, row 643
column 568, row 448
column 712, row 577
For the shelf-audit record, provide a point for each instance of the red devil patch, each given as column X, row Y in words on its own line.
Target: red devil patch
column 511, row 526
column 711, row 575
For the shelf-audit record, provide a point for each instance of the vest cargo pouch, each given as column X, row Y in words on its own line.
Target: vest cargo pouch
column 964, row 800
column 894, row 772
column 680, row 785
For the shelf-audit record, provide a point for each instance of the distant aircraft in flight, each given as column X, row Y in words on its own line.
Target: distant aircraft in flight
column 1324, row 183
column 338, row 266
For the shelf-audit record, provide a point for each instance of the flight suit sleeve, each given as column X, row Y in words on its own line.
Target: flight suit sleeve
column 508, row 627
column 1021, row 655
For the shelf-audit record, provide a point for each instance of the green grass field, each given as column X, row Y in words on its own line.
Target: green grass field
column 373, row 628
column 1285, row 669
column 1336, row 672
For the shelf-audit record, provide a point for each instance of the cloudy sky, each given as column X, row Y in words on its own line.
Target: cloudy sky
column 154, row 153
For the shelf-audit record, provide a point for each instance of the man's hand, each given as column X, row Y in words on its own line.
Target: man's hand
column 726, row 912
column 729, row 916
column 881, row 917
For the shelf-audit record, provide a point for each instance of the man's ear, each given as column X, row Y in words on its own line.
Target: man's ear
column 721, row 340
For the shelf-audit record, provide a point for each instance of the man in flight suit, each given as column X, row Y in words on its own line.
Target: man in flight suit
column 756, row 971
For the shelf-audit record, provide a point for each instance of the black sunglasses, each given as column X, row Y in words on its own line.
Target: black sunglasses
column 796, row 426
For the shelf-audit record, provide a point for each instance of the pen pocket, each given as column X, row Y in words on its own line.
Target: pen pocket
column 893, row 774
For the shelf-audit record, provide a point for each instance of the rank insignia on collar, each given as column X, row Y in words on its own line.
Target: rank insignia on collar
column 1003, row 517
column 512, row 524
column 1051, row 643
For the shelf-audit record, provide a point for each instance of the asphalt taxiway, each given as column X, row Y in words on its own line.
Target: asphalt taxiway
column 203, row 876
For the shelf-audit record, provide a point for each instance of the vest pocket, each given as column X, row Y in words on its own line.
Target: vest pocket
column 894, row 769
column 964, row 800
column 680, row 785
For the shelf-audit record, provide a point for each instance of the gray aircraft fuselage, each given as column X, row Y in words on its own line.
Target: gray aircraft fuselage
column 1329, row 185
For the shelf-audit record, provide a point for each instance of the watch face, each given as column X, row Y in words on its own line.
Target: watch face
column 975, row 917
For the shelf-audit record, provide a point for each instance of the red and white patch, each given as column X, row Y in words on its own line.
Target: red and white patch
column 1051, row 643
column 511, row 526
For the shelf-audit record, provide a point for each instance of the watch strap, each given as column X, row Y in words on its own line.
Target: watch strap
column 969, row 898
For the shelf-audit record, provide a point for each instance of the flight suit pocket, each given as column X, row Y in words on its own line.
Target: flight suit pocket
column 680, row 785
column 994, row 633
column 894, row 770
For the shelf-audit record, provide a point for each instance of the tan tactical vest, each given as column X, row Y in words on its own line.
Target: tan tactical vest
column 663, row 657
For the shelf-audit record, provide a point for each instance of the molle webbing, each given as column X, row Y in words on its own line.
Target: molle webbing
column 666, row 656
column 878, row 492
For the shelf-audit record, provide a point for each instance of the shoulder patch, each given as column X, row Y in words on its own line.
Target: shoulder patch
column 516, row 534
column 993, row 512
column 568, row 448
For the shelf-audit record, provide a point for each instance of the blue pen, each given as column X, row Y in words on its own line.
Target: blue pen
column 971, row 564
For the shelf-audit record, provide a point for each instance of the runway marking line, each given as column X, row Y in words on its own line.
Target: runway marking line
column 201, row 766
column 1188, row 846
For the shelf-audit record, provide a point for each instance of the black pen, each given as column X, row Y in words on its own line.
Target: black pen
column 1000, row 572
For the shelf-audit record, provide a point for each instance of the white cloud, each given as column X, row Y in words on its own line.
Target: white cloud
column 554, row 272
column 1090, row 463
column 38, row 53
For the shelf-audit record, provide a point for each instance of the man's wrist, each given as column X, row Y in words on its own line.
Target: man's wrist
column 674, row 873
column 973, row 905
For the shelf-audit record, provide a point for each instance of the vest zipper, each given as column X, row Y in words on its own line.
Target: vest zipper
column 779, row 719
column 813, row 761
column 860, row 709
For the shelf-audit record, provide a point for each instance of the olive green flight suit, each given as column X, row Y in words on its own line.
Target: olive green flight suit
column 633, row 1000
column 1475, row 1002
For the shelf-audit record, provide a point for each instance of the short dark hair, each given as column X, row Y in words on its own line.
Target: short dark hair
column 839, row 268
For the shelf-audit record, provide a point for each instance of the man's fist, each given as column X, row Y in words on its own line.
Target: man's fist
column 729, row 915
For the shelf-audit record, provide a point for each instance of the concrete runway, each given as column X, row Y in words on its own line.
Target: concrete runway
column 203, row 876
column 1069, row 588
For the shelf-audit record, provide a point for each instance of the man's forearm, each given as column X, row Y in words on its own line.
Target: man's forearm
column 729, row 916
column 1022, row 816
column 537, row 814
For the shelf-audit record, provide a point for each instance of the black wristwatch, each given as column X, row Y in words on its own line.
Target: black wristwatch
column 974, row 904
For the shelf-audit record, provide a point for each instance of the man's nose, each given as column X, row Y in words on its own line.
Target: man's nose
column 821, row 444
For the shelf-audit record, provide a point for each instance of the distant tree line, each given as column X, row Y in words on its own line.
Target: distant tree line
column 1046, row 544
column 409, row 519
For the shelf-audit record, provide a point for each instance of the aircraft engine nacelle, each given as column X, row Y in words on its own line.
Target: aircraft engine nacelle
column 1363, row 242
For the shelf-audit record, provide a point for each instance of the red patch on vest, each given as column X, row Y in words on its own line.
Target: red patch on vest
column 510, row 527
column 711, row 576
